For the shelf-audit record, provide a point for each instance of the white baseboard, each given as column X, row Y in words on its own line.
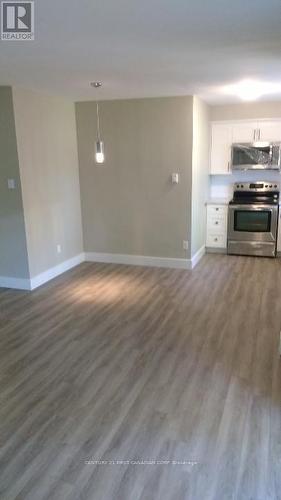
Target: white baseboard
column 110, row 258
column 138, row 260
column 198, row 256
column 17, row 283
column 51, row 273
column 40, row 279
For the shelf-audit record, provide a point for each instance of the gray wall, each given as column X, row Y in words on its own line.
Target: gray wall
column 129, row 205
column 200, row 172
column 47, row 148
column 13, row 251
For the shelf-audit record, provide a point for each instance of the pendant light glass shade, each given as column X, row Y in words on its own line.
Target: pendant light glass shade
column 99, row 151
column 99, row 154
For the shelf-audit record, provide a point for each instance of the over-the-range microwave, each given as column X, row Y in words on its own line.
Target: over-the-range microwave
column 256, row 156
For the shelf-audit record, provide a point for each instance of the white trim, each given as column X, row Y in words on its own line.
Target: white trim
column 109, row 258
column 17, row 283
column 40, row 279
column 198, row 256
column 51, row 273
column 138, row 260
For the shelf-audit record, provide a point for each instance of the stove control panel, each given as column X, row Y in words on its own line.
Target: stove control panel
column 257, row 187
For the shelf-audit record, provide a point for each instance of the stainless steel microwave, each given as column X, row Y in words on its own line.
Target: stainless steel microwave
column 256, row 156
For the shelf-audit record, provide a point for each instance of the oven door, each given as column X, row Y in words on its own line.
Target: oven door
column 256, row 223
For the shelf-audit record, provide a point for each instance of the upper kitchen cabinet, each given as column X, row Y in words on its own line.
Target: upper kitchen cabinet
column 269, row 130
column 262, row 130
column 244, row 132
column 224, row 134
column 221, row 148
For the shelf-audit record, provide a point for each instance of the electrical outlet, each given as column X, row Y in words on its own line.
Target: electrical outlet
column 59, row 248
column 11, row 184
column 185, row 245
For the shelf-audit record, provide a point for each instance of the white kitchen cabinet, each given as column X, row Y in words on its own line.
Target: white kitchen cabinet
column 221, row 148
column 216, row 237
column 244, row 131
column 261, row 130
column 270, row 130
column 224, row 134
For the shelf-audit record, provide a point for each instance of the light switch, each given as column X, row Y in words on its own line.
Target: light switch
column 175, row 178
column 11, row 184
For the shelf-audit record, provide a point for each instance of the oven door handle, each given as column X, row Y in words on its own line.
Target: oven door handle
column 256, row 208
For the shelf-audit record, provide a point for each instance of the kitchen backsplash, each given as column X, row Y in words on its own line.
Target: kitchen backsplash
column 221, row 186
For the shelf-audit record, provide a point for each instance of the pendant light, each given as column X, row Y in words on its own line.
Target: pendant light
column 99, row 143
column 99, row 152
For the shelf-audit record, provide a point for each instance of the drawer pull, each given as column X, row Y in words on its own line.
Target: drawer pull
column 216, row 222
column 215, row 239
column 217, row 209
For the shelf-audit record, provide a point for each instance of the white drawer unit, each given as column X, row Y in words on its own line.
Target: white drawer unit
column 216, row 240
column 216, row 211
column 216, row 226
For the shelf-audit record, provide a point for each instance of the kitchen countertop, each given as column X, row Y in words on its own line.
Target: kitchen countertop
column 218, row 201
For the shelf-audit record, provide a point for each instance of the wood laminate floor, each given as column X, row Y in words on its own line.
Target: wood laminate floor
column 115, row 363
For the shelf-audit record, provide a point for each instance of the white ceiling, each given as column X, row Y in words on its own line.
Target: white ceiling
column 146, row 47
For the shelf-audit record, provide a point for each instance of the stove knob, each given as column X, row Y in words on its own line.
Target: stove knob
column 238, row 185
column 270, row 186
column 266, row 186
column 241, row 186
column 275, row 185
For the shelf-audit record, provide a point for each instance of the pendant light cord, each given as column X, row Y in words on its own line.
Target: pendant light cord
column 98, row 121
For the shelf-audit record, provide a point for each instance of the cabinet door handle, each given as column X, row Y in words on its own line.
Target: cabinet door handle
column 228, row 165
column 259, row 134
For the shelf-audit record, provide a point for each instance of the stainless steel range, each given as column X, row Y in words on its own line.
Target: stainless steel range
column 253, row 219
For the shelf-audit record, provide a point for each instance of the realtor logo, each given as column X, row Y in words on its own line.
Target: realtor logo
column 17, row 20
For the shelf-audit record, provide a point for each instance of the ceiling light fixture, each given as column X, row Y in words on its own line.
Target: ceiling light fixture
column 99, row 153
column 251, row 90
